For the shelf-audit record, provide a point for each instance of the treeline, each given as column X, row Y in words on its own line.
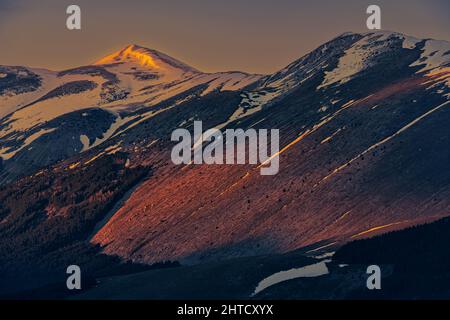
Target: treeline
column 423, row 248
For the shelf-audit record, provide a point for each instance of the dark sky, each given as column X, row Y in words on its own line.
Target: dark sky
column 259, row 36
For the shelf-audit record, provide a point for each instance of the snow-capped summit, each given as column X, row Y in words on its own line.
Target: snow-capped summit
column 148, row 58
column 35, row 102
column 350, row 55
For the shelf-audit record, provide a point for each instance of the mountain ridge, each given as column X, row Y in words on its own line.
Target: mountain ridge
column 364, row 135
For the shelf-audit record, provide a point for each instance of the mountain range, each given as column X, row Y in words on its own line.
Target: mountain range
column 86, row 176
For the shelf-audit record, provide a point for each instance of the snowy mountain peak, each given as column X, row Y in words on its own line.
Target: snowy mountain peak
column 147, row 58
column 366, row 52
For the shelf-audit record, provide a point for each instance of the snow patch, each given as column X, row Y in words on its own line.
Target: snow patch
column 311, row 271
column 354, row 60
column 6, row 155
column 410, row 42
column 435, row 54
column 85, row 142
column 440, row 76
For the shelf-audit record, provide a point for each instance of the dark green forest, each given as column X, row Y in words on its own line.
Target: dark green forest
column 419, row 257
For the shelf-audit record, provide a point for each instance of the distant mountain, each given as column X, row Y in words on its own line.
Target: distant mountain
column 151, row 59
column 86, row 166
column 48, row 116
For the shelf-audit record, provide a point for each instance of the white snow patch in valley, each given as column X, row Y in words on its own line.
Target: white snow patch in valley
column 310, row 271
column 85, row 141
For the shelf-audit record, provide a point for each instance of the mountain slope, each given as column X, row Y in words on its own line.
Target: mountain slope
column 362, row 153
column 111, row 93
column 364, row 135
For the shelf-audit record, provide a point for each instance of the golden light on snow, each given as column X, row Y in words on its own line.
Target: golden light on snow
column 130, row 53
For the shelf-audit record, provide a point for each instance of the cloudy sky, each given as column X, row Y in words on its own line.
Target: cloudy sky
column 258, row 36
